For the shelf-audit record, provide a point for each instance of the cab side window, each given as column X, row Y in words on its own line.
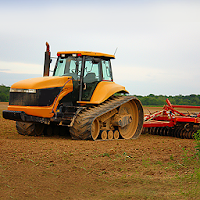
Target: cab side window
column 92, row 72
column 106, row 70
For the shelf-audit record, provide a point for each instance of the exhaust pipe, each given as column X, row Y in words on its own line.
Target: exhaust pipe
column 47, row 60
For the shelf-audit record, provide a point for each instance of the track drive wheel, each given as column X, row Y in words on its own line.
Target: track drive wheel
column 30, row 129
column 95, row 128
column 129, row 108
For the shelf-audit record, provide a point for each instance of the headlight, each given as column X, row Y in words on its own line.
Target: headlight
column 23, row 90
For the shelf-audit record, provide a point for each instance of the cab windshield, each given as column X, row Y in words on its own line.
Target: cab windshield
column 95, row 69
column 69, row 66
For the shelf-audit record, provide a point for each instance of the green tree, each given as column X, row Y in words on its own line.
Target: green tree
column 4, row 93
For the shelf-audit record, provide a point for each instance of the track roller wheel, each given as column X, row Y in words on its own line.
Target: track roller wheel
column 116, row 134
column 30, row 129
column 110, row 135
column 129, row 108
column 95, row 129
column 104, row 135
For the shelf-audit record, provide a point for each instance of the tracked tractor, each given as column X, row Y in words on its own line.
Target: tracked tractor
column 80, row 95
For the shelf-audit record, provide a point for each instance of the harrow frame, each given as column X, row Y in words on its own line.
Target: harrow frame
column 171, row 122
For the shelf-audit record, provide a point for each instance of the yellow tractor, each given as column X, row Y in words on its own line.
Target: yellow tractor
column 80, row 95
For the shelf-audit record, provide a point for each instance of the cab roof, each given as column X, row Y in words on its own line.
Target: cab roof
column 87, row 53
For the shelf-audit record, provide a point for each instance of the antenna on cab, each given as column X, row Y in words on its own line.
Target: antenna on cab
column 115, row 51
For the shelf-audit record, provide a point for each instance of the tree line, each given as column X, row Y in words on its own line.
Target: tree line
column 149, row 100
column 160, row 100
column 4, row 93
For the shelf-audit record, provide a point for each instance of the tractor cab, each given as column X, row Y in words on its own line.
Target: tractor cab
column 87, row 69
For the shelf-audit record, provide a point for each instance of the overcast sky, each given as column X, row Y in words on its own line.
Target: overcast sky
column 158, row 41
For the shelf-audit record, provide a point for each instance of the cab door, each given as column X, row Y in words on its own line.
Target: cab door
column 92, row 76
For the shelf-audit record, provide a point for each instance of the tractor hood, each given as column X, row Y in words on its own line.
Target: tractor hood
column 41, row 82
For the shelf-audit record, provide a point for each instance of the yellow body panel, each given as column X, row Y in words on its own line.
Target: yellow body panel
column 87, row 53
column 103, row 91
column 39, row 111
column 42, row 82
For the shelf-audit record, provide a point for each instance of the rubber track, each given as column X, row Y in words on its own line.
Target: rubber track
column 81, row 128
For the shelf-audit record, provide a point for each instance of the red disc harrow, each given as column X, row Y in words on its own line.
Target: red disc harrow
column 171, row 122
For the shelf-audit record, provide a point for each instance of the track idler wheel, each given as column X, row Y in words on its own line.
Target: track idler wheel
column 30, row 129
column 135, row 111
column 110, row 135
column 95, row 129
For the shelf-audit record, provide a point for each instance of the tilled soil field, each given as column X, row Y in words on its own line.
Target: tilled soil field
column 57, row 167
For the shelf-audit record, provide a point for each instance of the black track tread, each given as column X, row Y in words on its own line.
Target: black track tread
column 30, row 129
column 81, row 128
